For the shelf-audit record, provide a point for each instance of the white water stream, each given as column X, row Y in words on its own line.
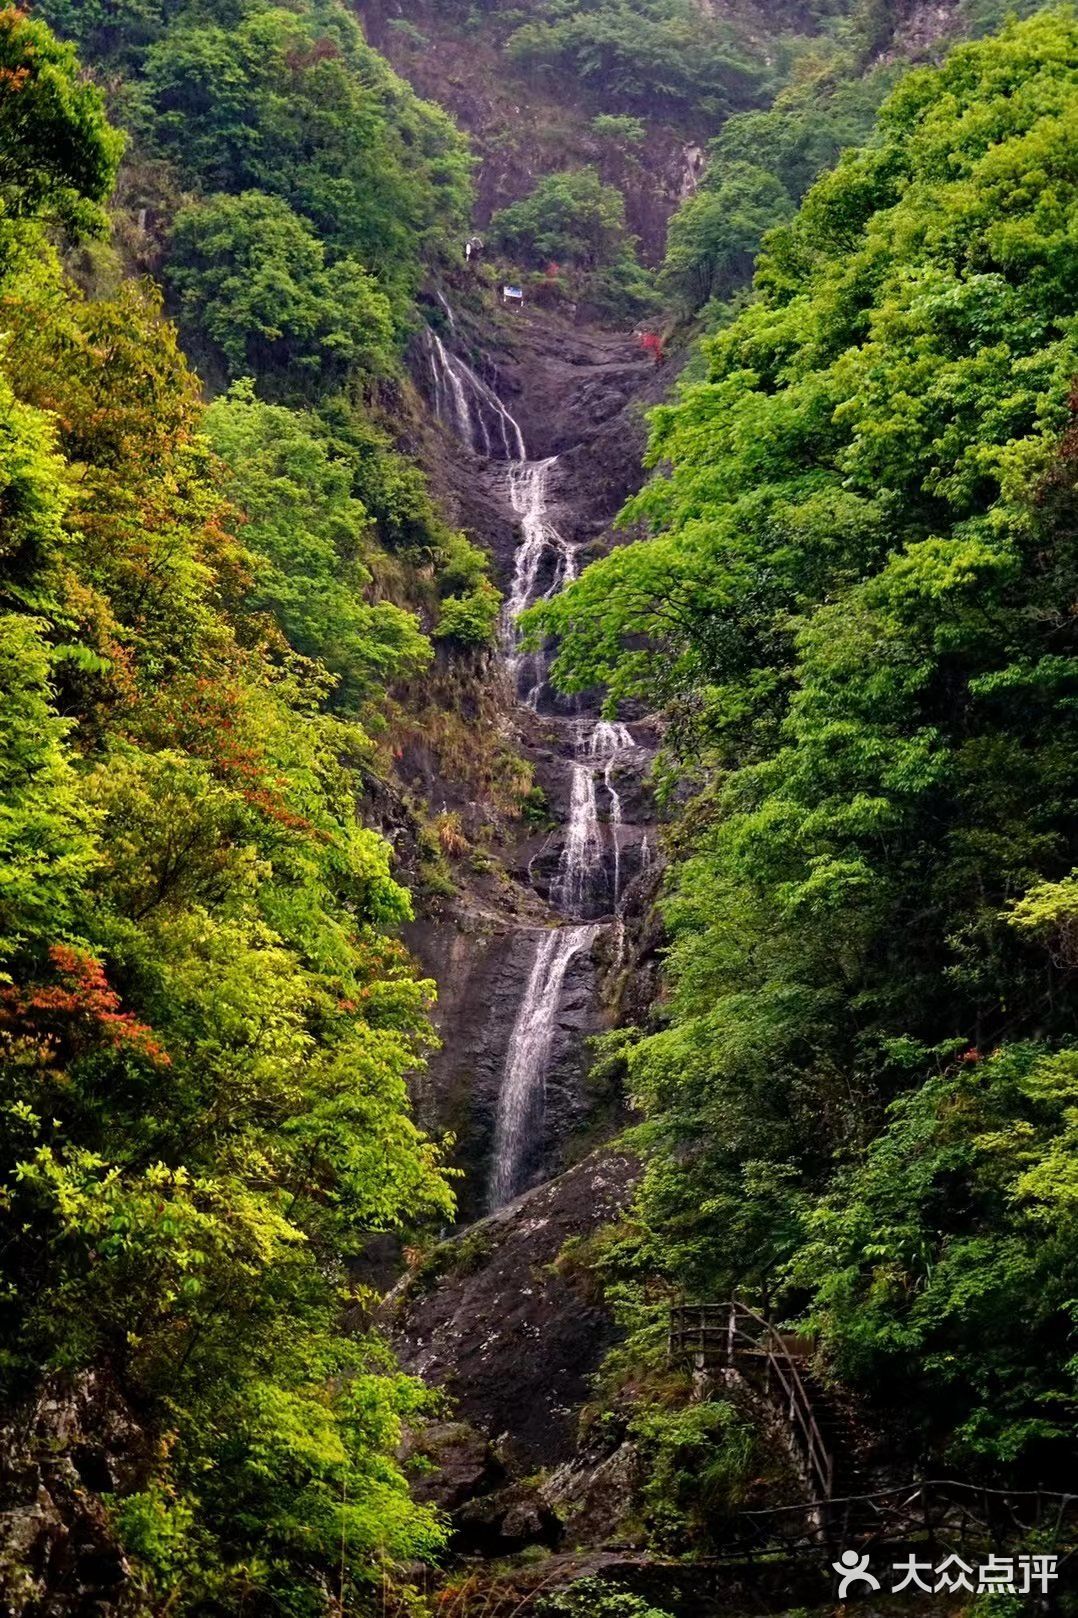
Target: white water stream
column 520, row 1099
column 464, row 402
column 543, row 564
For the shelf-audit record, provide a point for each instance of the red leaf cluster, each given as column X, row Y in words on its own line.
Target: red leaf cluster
column 76, row 1011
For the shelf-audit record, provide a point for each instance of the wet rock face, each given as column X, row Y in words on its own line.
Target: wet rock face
column 545, row 422
column 508, row 397
column 509, row 1338
column 480, row 967
column 58, row 1556
column 577, row 393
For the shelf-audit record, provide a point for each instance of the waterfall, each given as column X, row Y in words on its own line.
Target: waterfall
column 580, row 867
column 544, row 562
column 520, row 1099
column 528, row 490
column 582, row 850
column 464, row 402
column 449, row 315
column 611, row 741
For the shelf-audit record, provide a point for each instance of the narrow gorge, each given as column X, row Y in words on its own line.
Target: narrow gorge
column 520, row 992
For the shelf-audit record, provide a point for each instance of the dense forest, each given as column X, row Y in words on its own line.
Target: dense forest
column 207, row 1027
column 264, row 750
column 856, row 612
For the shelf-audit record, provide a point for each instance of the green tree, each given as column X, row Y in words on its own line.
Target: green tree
column 472, row 619
column 714, row 237
column 58, row 153
column 759, row 167
column 311, row 534
column 251, row 279
column 296, row 105
column 659, row 55
column 942, row 1263
column 207, row 1028
column 571, row 216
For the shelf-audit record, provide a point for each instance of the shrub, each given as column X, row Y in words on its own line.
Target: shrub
column 472, row 619
column 619, row 127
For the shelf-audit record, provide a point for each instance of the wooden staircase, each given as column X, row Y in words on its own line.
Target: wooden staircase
column 844, row 1507
column 732, row 1337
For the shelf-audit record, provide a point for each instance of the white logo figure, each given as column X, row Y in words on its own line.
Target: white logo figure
column 852, row 1569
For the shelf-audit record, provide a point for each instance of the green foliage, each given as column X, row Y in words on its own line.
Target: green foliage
column 46, row 829
column 107, row 27
column 715, row 236
column 595, row 1598
column 472, row 619
column 661, row 56
column 535, row 809
column 319, row 177
column 850, row 607
column 943, row 1262
column 394, row 493
column 58, row 153
column 619, row 127
column 251, row 278
column 760, row 166
column 207, row 1029
column 463, row 566
column 571, row 216
column 295, row 104
column 311, row 534
column 696, row 1460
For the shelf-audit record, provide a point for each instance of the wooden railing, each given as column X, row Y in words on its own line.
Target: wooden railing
column 938, row 1512
column 732, row 1335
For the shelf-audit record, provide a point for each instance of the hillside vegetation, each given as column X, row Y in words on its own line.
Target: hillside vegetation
column 855, row 609
column 207, row 1025
column 230, row 605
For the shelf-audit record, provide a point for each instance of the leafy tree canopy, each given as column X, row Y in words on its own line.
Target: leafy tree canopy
column 58, row 154
column 251, row 277
column 207, row 1027
column 570, row 216
column 852, row 606
column 311, row 535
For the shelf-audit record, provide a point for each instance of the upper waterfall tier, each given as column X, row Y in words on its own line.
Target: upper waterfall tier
column 464, row 402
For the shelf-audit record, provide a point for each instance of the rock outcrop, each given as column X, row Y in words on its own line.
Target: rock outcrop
column 59, row 1558
column 491, row 1319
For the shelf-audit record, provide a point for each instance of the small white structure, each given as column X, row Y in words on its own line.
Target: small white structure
column 512, row 294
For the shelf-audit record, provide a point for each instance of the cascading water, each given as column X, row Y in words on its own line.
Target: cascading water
column 520, row 1099
column 464, row 402
column 582, row 851
column 528, row 490
column 580, row 890
column 580, row 883
column 610, row 742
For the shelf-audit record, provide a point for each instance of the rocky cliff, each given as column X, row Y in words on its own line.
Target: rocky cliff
column 576, row 398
